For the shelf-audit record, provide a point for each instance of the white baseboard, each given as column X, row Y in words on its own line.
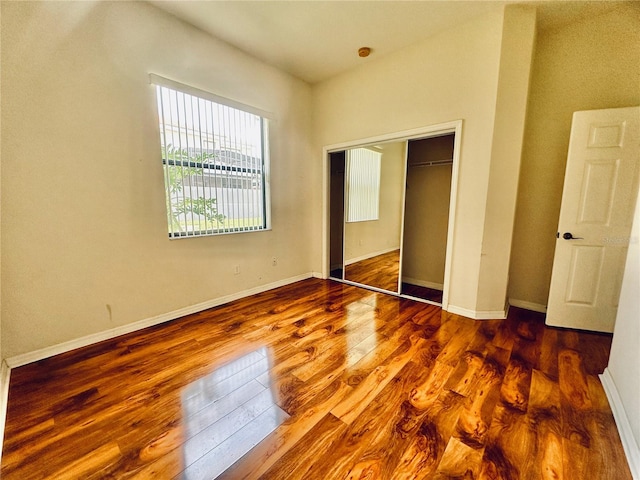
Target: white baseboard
column 423, row 283
column 5, row 375
column 629, row 443
column 64, row 347
column 477, row 314
column 534, row 307
column 370, row 255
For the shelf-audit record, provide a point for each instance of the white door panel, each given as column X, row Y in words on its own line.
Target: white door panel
column 598, row 191
column 584, row 275
column 600, row 187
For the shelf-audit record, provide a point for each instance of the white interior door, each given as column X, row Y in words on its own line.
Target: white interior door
column 600, row 188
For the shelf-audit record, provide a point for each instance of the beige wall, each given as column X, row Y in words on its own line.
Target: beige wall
column 427, row 212
column 84, row 245
column 450, row 76
column 453, row 75
column 589, row 65
column 84, row 234
column 506, row 152
column 367, row 239
column 624, row 360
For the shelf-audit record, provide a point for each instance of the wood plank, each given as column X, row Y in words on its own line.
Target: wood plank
column 459, row 461
column 516, row 384
column 423, row 453
column 299, row 462
column 285, row 436
column 606, row 458
column 549, row 353
column 220, row 458
column 354, row 403
column 510, row 444
column 86, row 466
column 167, row 466
column 545, row 420
column 574, row 397
column 475, row 418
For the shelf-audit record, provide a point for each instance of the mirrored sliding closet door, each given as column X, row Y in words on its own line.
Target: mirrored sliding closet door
column 389, row 213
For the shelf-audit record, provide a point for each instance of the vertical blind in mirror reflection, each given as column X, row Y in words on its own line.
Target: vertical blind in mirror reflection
column 226, row 414
column 363, row 184
column 372, row 247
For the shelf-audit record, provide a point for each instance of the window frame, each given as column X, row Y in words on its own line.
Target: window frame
column 265, row 190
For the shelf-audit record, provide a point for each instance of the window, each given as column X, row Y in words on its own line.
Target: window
column 215, row 161
column 363, row 184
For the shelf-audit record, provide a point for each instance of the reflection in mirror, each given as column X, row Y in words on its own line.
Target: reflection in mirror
column 373, row 196
column 429, row 170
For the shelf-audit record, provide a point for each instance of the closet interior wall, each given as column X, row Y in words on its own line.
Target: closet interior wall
column 426, row 219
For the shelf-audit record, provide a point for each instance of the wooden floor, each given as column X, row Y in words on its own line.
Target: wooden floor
column 381, row 271
column 424, row 293
column 324, row 381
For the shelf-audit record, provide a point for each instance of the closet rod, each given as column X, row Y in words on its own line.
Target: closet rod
column 432, row 163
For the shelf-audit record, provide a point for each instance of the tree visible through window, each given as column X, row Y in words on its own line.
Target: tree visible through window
column 214, row 160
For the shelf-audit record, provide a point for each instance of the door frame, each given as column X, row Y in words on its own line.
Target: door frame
column 419, row 133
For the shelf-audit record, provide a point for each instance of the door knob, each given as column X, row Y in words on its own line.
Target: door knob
column 569, row 236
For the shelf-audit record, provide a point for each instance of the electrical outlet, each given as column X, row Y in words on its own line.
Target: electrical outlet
column 236, row 270
column 274, row 262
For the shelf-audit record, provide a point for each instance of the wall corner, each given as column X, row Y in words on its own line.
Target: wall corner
column 516, row 57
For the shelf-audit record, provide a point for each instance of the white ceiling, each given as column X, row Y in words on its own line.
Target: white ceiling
column 315, row 40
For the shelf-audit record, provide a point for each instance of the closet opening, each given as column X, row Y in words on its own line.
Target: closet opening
column 390, row 208
column 426, row 218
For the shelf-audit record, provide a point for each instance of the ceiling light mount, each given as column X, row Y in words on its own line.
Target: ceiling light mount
column 364, row 52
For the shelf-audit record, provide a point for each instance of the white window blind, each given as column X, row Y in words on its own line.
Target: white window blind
column 215, row 164
column 363, row 184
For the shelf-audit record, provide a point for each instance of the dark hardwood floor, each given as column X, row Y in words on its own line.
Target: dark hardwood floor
column 424, row 293
column 320, row 380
